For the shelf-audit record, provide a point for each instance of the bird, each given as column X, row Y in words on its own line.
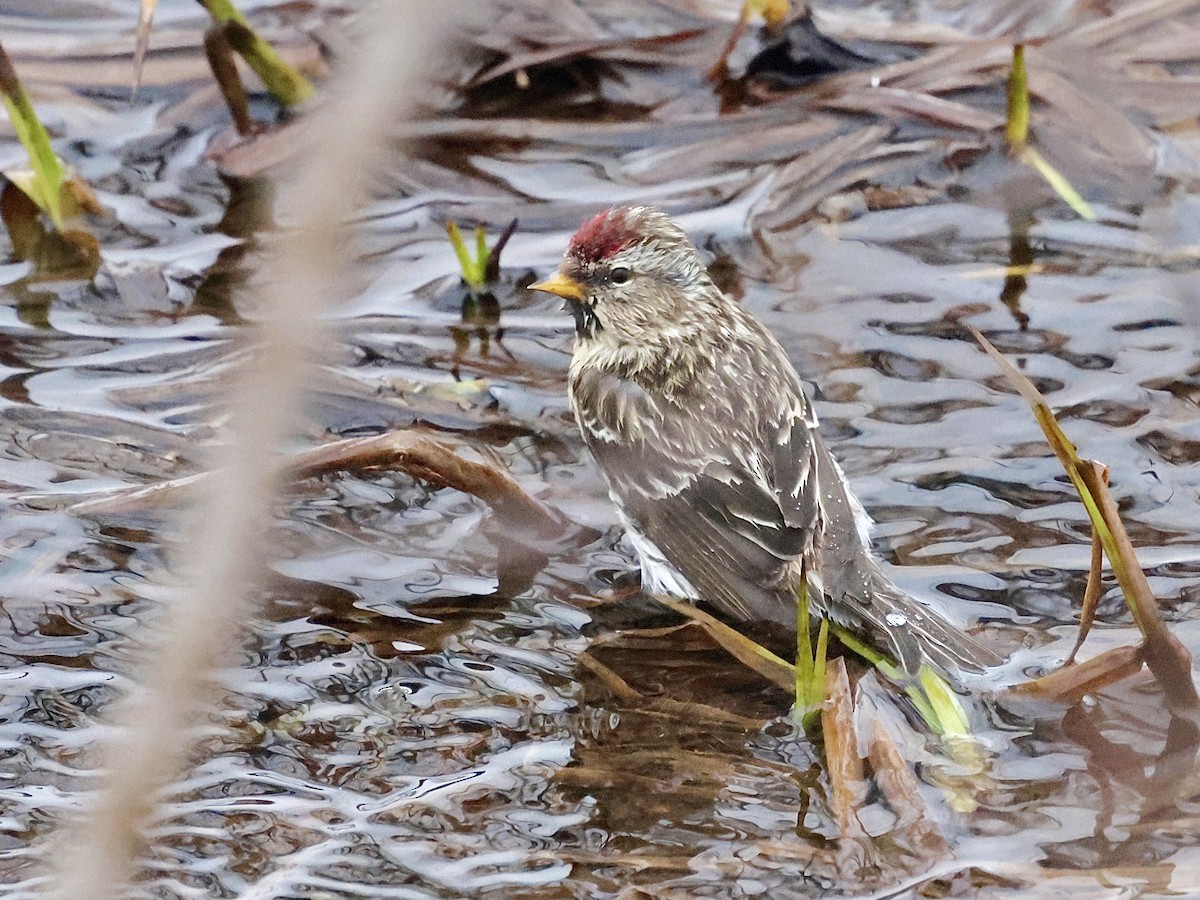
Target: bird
column 712, row 453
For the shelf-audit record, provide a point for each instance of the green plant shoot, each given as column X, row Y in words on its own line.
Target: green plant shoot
column 1017, row 132
column 935, row 701
column 45, row 186
column 1017, row 128
column 810, row 664
column 1058, row 181
column 483, row 268
column 474, row 269
column 284, row 82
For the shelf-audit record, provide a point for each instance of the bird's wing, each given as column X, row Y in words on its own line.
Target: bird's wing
column 735, row 530
column 738, row 526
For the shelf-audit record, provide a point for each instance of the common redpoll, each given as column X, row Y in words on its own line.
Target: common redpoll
column 711, row 450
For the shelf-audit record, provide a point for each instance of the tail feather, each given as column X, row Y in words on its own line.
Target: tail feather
column 859, row 596
column 899, row 625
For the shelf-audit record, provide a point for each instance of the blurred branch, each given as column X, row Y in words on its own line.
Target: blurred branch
column 229, row 530
column 432, row 461
column 144, row 27
column 410, row 452
column 220, row 59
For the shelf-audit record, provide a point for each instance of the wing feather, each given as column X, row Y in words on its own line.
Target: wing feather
column 743, row 501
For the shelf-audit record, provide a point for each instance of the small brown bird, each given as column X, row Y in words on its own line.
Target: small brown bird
column 711, row 450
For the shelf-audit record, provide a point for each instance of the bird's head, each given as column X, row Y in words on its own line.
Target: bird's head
column 631, row 275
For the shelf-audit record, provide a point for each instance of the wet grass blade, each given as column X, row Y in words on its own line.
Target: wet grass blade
column 1166, row 656
column 1016, row 130
column 749, row 653
column 144, row 26
column 847, row 783
column 286, row 84
column 466, row 264
column 810, row 663
column 1091, row 596
column 472, row 268
column 1058, row 181
column 481, row 251
column 1070, row 683
column 1017, row 125
column 936, row 703
column 45, row 188
column 483, row 267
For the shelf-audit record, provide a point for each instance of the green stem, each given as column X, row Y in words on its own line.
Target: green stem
column 810, row 664
column 46, row 188
column 465, row 263
column 286, row 84
column 936, row 703
column 1058, row 181
column 1017, row 129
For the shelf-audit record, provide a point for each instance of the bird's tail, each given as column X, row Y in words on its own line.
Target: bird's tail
column 856, row 594
column 913, row 633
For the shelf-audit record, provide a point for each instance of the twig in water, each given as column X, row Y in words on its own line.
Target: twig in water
column 1164, row 653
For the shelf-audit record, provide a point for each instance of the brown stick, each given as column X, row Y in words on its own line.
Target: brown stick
column 750, row 654
column 220, row 59
column 1166, row 656
column 616, row 685
column 407, row 451
column 843, row 765
column 435, row 462
column 1070, row 683
column 720, row 70
column 1164, row 653
column 1091, row 596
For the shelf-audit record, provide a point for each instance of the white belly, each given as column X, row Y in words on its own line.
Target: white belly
column 658, row 575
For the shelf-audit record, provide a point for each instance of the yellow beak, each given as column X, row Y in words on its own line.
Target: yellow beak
column 562, row 286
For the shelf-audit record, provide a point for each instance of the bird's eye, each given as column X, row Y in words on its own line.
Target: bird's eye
column 619, row 275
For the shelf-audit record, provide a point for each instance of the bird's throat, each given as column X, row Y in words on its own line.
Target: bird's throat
column 586, row 321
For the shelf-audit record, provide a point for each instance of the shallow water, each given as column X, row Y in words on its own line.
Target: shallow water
column 410, row 716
